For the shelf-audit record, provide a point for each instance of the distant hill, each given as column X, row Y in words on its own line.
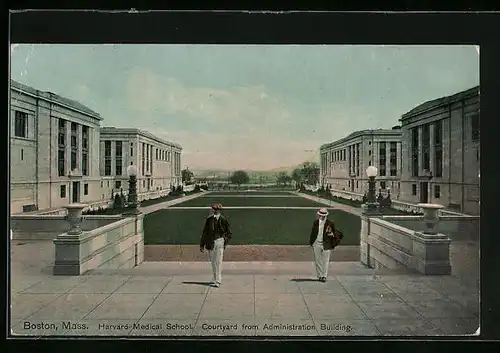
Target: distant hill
column 253, row 174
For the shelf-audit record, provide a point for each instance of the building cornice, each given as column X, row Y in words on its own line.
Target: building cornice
column 111, row 130
column 37, row 95
column 363, row 133
column 439, row 103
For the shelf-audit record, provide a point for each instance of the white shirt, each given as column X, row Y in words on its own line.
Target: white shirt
column 217, row 216
column 321, row 226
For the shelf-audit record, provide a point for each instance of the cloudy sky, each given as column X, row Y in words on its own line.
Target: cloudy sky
column 249, row 107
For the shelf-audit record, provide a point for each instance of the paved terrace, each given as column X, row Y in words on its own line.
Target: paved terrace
column 169, row 298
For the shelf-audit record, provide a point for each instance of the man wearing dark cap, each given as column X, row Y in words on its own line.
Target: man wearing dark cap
column 215, row 237
column 323, row 240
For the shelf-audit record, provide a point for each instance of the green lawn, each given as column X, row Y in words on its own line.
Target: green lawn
column 250, row 201
column 280, row 227
column 243, row 193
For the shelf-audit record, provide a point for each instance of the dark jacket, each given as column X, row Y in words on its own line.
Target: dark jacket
column 214, row 229
column 328, row 242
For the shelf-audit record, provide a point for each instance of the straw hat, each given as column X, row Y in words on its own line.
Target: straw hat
column 323, row 212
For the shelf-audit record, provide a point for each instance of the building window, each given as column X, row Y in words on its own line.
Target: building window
column 414, row 152
column 399, row 185
column 107, row 184
column 85, row 189
column 369, row 143
column 62, row 191
column 85, row 163
column 156, row 153
column 369, row 152
column 437, row 191
column 21, row 124
column 475, row 127
column 438, row 150
column 144, row 183
column 382, row 159
column 369, row 163
column 414, row 189
column 101, row 184
column 348, row 183
column 357, row 184
column 426, row 147
column 118, row 184
column 61, row 161
column 119, row 158
column 61, row 138
column 393, row 158
column 107, row 158
column 382, row 185
column 85, row 137
column 22, row 154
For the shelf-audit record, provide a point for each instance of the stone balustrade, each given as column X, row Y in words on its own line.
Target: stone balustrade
column 119, row 244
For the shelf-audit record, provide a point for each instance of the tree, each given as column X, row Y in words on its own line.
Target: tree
column 239, row 177
column 281, row 178
column 310, row 172
column 186, row 175
column 297, row 175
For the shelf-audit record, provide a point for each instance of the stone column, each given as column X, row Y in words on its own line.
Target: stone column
column 79, row 154
column 420, row 154
column 68, row 146
column 388, row 158
column 398, row 160
column 113, row 159
column 432, row 148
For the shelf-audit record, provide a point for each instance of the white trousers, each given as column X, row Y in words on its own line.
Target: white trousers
column 321, row 260
column 215, row 257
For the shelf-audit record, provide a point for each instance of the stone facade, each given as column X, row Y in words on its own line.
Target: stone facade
column 344, row 162
column 440, row 148
column 54, row 147
column 158, row 161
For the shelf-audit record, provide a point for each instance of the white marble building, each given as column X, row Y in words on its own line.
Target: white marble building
column 344, row 162
column 441, row 150
column 54, row 150
column 158, row 161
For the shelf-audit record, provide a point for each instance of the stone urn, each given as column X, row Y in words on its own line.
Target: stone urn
column 431, row 216
column 74, row 217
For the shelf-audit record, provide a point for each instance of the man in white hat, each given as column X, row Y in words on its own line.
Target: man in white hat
column 215, row 237
column 323, row 240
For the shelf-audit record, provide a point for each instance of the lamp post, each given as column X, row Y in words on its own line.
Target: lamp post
column 132, row 190
column 371, row 203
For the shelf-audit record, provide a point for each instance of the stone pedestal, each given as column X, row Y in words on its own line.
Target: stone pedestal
column 74, row 217
column 431, row 253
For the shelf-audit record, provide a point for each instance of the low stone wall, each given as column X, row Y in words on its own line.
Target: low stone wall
column 395, row 204
column 116, row 245
column 384, row 244
column 47, row 227
column 347, row 195
column 456, row 227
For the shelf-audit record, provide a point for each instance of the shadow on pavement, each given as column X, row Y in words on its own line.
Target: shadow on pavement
column 304, row 280
column 209, row 284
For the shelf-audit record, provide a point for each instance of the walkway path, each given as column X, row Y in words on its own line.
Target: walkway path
column 339, row 206
column 162, row 205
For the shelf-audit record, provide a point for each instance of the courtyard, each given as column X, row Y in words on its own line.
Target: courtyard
column 266, row 226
